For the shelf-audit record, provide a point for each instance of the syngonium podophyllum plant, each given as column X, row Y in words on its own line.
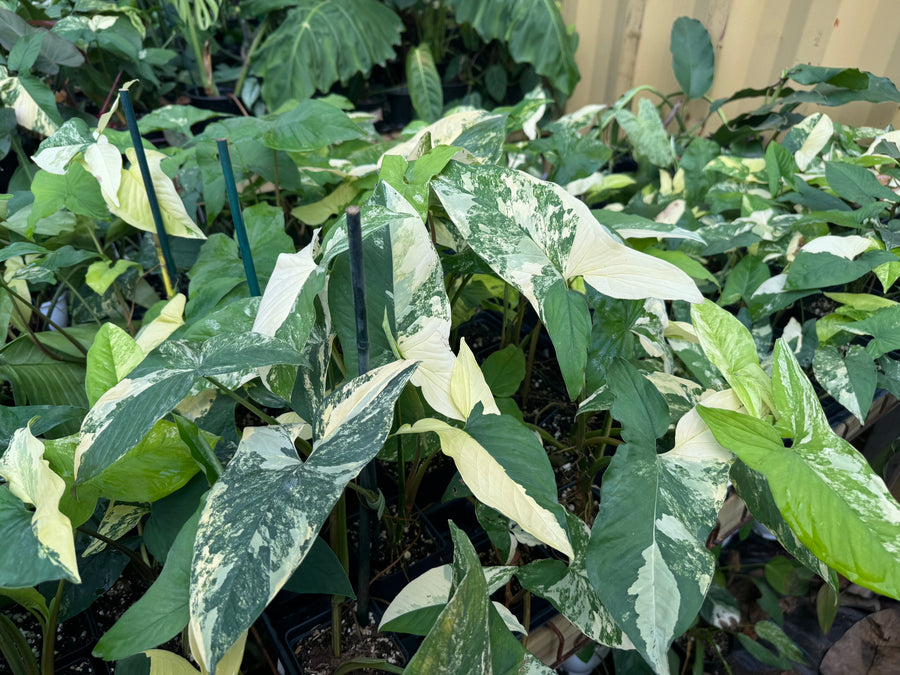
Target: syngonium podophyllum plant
column 444, row 223
column 635, row 579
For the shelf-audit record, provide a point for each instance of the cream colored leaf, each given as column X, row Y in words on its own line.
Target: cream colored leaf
column 818, row 137
column 134, row 206
column 169, row 663
column 468, row 386
column 169, row 320
column 28, row 113
column 489, row 482
column 292, row 270
column 230, row 664
column 104, row 162
column 848, row 247
column 30, row 479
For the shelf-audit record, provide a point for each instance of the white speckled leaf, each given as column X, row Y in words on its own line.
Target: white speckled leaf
column 416, row 607
column 29, row 477
column 647, row 558
column 825, row 489
column 539, row 238
column 30, row 113
column 851, row 379
column 570, row 591
column 481, row 133
column 55, row 153
column 263, row 514
column 731, row 349
column 123, row 415
column 507, row 469
column 815, row 131
column 119, row 519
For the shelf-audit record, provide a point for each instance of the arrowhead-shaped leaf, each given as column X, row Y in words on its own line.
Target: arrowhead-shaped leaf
column 38, row 545
column 826, row 491
column 538, row 238
column 263, row 514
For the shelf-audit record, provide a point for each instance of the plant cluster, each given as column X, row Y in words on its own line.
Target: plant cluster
column 683, row 288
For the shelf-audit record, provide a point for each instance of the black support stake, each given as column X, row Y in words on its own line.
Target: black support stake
column 138, row 143
column 368, row 480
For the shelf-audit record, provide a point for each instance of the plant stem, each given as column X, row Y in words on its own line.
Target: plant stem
column 360, row 662
column 47, row 649
column 342, row 550
column 37, row 310
column 145, row 568
column 34, row 338
column 546, row 436
column 24, row 162
column 239, row 84
column 529, row 363
column 230, row 393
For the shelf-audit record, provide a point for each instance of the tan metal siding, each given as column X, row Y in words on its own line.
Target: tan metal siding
column 625, row 43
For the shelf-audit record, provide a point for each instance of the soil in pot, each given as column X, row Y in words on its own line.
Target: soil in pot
column 314, row 650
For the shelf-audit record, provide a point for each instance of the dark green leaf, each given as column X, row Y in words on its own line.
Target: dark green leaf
column 693, row 59
column 504, row 370
column 779, row 164
column 424, row 83
column 821, row 270
column 310, row 126
column 856, row 183
column 743, row 280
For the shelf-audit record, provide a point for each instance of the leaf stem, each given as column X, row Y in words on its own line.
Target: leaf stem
column 47, row 649
column 145, row 569
column 37, row 310
column 230, row 393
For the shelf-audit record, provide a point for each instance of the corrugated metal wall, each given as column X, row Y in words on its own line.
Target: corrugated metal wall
column 624, row 43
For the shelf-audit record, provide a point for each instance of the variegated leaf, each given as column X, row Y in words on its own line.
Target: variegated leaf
column 170, row 318
column 825, row 489
column 539, row 238
column 134, row 205
column 731, row 349
column 125, row 413
column 647, row 558
column 851, row 379
column 479, row 132
column 417, row 606
column 119, row 520
column 469, row 636
column 506, row 468
column 55, row 152
column 32, row 100
column 111, row 357
column 46, row 550
column 570, row 591
column 263, row 514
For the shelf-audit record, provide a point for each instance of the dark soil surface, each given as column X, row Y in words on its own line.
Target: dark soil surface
column 315, row 654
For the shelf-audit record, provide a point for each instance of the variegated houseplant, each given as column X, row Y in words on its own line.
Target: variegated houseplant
column 672, row 396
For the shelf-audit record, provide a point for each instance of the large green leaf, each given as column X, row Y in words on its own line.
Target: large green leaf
column 263, row 514
column 754, row 489
column 162, row 611
column 883, row 326
column 856, row 183
column 424, row 83
column 533, row 30
column 647, row 558
column 731, row 349
column 38, row 544
column 851, row 379
column 826, row 491
column 693, row 59
column 311, row 125
column 822, row 269
column 39, row 379
column 322, row 41
column 125, row 413
column 539, row 238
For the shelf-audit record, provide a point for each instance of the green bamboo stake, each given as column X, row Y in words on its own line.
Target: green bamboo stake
column 237, row 218
column 169, row 273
